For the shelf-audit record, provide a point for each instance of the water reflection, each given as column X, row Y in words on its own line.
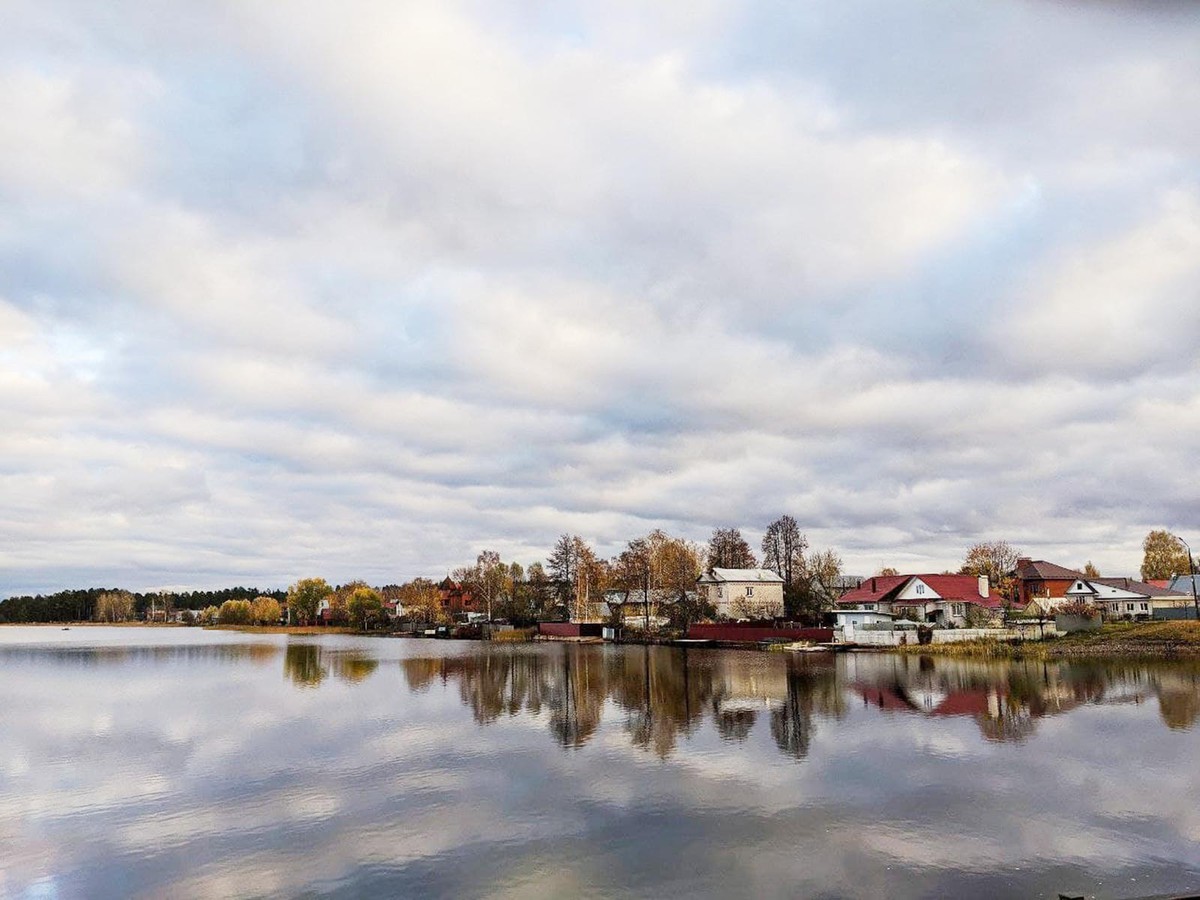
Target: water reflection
column 306, row 665
column 664, row 694
column 1006, row 699
column 661, row 693
column 347, row 766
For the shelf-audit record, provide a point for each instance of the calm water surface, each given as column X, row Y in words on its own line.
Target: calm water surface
column 181, row 762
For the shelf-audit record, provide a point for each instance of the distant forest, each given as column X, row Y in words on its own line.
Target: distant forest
column 80, row 606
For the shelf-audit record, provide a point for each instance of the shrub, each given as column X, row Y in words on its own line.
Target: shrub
column 1080, row 608
column 235, row 612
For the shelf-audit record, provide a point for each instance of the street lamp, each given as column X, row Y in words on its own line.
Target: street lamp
column 1192, row 573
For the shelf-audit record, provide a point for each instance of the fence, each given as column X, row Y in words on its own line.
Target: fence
column 864, row 638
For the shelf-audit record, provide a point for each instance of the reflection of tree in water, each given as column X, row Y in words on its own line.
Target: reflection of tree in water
column 302, row 664
column 576, row 695
column 421, row 672
column 353, row 667
column 662, row 691
column 812, row 687
column 307, row 665
column 735, row 724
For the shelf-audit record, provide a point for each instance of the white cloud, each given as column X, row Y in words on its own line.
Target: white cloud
column 375, row 287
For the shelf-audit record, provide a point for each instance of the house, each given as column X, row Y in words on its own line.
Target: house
column 1043, row 584
column 1185, row 584
column 1126, row 598
column 742, row 593
column 454, row 598
column 946, row 600
column 856, row 618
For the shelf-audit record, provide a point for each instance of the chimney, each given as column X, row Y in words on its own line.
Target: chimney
column 983, row 586
column 873, row 588
column 1023, row 561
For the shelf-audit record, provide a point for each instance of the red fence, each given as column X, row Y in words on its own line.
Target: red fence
column 752, row 633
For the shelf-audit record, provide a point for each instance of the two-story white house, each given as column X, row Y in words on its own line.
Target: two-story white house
column 742, row 593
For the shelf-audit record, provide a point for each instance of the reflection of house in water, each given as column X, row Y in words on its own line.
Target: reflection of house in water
column 1006, row 699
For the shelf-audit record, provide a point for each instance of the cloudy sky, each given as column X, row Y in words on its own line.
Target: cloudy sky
column 360, row 289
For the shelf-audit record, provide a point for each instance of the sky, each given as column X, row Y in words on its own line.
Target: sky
column 362, row 289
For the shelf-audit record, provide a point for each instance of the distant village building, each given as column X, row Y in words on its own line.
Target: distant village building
column 454, row 598
column 1184, row 583
column 742, row 593
column 957, row 600
column 1042, row 583
column 1126, row 598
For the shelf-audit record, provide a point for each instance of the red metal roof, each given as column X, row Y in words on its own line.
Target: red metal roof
column 955, row 588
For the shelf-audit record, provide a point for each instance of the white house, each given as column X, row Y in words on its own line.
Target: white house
column 938, row 599
column 859, row 617
column 1125, row 598
column 742, row 593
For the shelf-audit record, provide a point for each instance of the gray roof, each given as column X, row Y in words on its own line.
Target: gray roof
column 1183, row 583
column 1138, row 587
column 755, row 575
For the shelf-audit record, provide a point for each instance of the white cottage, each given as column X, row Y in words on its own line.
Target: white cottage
column 743, row 593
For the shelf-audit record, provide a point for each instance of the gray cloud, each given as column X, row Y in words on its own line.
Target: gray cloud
column 364, row 291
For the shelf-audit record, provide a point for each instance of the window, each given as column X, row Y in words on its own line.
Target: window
column 920, row 588
column 870, row 606
column 1129, row 606
column 958, row 609
column 1145, row 607
column 749, row 591
column 720, row 591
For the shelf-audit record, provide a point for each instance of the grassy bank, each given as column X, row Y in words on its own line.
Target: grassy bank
column 289, row 629
column 1127, row 639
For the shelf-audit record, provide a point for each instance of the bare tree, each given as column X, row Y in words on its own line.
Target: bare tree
column 727, row 549
column 995, row 559
column 783, row 547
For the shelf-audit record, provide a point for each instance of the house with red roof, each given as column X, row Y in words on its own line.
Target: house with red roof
column 945, row 600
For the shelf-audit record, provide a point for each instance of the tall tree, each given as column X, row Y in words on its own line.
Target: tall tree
column 727, row 549
column 487, row 579
column 419, row 601
column 579, row 573
column 364, row 607
column 265, row 611
column 995, row 559
column 1090, row 570
column 783, row 547
column 305, row 596
column 541, row 590
column 563, row 564
column 1163, row 556
column 114, row 606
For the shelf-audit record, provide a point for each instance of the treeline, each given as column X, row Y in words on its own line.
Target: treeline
column 655, row 575
column 85, row 605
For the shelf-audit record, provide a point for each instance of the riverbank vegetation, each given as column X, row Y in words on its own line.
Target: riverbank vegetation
column 1129, row 639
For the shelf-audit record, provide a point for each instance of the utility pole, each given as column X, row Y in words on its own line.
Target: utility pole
column 1192, row 574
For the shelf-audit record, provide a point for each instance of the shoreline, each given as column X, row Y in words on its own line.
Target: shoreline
column 1140, row 641
column 1147, row 640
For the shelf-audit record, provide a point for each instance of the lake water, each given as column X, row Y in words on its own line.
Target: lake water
column 190, row 763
